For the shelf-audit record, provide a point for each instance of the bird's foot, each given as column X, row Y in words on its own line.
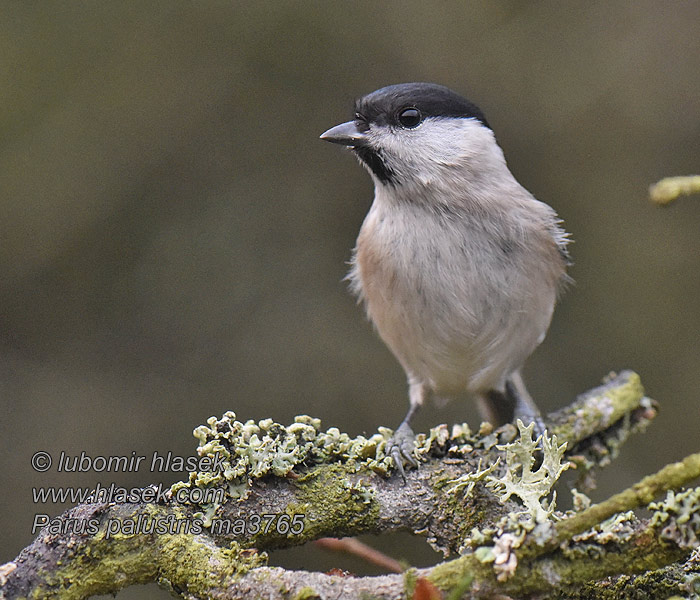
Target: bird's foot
column 401, row 446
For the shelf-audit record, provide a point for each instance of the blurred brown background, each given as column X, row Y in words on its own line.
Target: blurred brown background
column 174, row 234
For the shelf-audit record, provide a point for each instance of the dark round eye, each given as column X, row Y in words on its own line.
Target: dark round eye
column 410, row 118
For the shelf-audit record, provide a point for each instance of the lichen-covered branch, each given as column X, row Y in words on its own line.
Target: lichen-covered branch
column 486, row 495
column 670, row 188
column 671, row 477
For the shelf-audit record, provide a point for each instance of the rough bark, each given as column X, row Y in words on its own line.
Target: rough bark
column 454, row 499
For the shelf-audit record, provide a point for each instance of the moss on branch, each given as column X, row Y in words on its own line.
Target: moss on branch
column 315, row 483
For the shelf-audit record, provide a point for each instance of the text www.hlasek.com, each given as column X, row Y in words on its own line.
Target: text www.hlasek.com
column 121, row 495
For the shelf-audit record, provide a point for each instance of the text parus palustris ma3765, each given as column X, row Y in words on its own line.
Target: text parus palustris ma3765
column 457, row 264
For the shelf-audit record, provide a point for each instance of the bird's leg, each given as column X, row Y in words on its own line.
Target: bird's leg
column 525, row 408
column 496, row 407
column 401, row 445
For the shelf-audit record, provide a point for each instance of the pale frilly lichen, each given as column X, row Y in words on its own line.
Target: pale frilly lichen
column 440, row 440
column 678, row 517
column 531, row 486
column 254, row 450
column 592, row 543
column 467, row 481
column 251, row 450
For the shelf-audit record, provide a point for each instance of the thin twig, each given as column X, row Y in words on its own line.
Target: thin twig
column 355, row 547
column 668, row 189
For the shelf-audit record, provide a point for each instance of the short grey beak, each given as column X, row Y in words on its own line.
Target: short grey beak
column 345, row 133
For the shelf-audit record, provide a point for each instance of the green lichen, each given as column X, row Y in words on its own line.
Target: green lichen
column 307, row 593
column 617, row 529
column 333, row 501
column 678, row 517
column 608, row 445
column 455, row 492
column 246, row 451
column 522, row 480
column 441, row 441
column 602, row 539
column 485, row 554
column 670, row 188
column 465, row 483
column 519, row 479
column 410, row 578
column 177, row 560
column 605, row 405
column 581, row 501
column 460, row 443
column 496, row 544
column 203, row 570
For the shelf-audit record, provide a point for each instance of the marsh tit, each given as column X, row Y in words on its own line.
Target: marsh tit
column 457, row 264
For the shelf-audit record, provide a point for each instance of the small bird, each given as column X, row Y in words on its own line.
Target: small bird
column 457, row 264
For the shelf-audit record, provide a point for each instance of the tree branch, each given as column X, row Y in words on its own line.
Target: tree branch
column 288, row 486
column 670, row 188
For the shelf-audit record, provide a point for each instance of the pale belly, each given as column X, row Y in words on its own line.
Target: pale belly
column 455, row 317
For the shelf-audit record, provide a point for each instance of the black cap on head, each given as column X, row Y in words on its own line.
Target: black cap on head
column 432, row 100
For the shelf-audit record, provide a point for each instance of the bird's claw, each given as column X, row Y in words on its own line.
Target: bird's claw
column 400, row 447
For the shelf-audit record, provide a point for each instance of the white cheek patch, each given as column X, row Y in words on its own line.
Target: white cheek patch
column 421, row 153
